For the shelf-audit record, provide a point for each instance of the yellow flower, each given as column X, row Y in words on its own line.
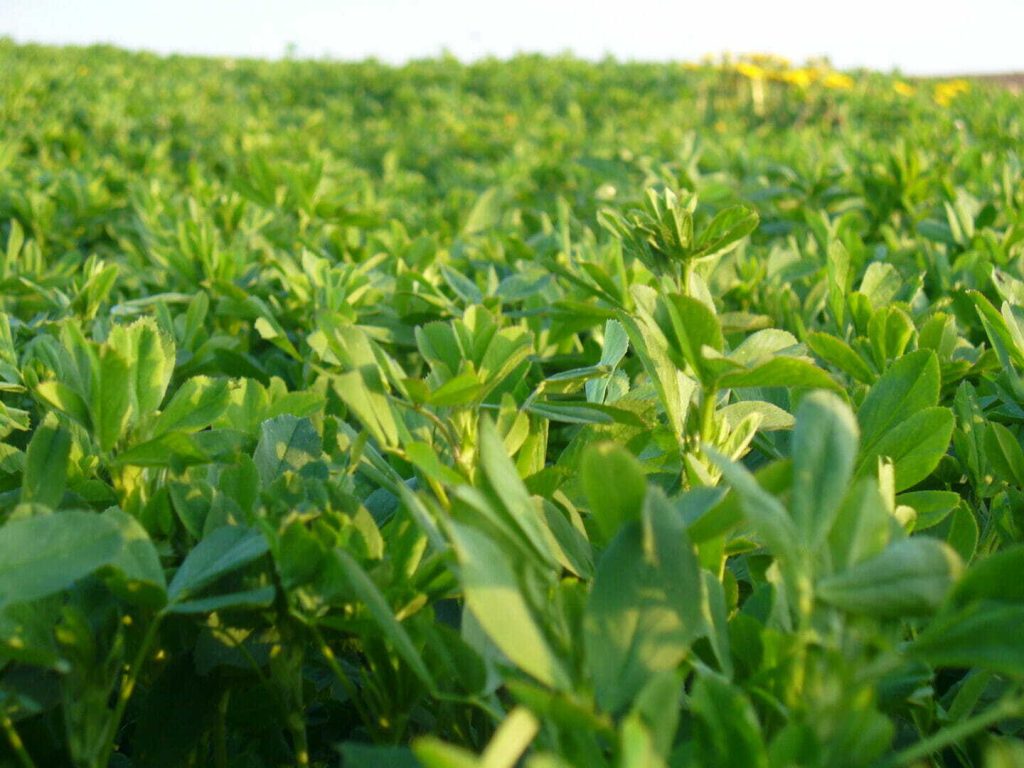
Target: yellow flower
column 903, row 89
column 838, row 81
column 750, row 71
column 944, row 93
column 799, row 77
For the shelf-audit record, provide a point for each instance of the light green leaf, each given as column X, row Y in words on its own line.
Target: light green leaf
column 780, row 372
column 170, row 449
column 111, row 398
column 194, row 406
column 496, row 598
column 66, row 400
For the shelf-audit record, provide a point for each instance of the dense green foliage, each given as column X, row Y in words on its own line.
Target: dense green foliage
column 543, row 411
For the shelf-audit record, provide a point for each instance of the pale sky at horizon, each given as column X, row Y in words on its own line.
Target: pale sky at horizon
column 916, row 36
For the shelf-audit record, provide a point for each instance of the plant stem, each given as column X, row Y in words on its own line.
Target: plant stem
column 707, row 413
column 127, row 688
column 220, row 736
column 17, row 745
column 1004, row 709
column 339, row 673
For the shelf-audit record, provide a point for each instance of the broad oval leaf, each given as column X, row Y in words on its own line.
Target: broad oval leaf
column 911, row 384
column 824, row 452
column 614, row 483
column 909, row 578
column 646, row 605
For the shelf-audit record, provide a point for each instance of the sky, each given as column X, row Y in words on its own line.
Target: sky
column 917, row 37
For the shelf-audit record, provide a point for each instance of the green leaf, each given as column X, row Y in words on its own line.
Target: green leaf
column 48, row 553
column 616, row 343
column 170, row 449
column 485, row 214
column 461, row 390
column 46, row 464
column 995, row 577
column 286, row 445
column 932, row 507
column 726, row 230
column 780, row 372
column 251, row 599
column 1004, row 453
column 226, row 549
column 837, row 352
column 111, row 398
column 645, row 608
column 824, row 451
column 580, row 412
column 909, row 578
column 355, row 754
column 499, row 476
column 364, row 394
column 495, row 597
column 136, row 575
column 151, row 353
column 772, row 417
column 916, row 445
column 65, row 400
column 764, row 512
column 726, row 727
column 983, row 634
column 657, row 706
column 863, row 525
column 194, row 406
column 615, row 485
column 910, row 385
column 370, row 596
column 838, row 274
column 688, row 325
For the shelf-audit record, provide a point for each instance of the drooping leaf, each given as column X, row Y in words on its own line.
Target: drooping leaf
column 136, row 574
column 495, row 596
column 370, row 596
column 44, row 554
